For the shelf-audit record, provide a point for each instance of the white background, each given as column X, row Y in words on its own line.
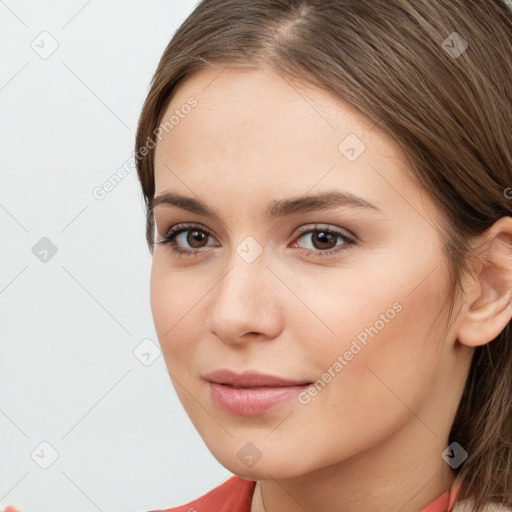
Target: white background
column 70, row 324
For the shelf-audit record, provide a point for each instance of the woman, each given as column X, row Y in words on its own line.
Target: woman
column 328, row 183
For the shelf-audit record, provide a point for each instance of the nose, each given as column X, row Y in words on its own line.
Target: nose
column 246, row 303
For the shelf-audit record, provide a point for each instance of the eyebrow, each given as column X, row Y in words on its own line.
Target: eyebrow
column 275, row 209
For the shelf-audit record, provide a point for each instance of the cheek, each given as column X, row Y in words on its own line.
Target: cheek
column 177, row 302
column 179, row 305
column 374, row 392
column 386, row 328
column 390, row 354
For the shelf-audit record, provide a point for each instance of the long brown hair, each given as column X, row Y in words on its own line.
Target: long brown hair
column 436, row 75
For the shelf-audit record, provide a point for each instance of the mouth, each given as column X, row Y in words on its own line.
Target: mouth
column 251, row 394
column 252, row 379
column 261, row 387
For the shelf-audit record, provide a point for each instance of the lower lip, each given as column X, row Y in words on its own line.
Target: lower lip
column 252, row 401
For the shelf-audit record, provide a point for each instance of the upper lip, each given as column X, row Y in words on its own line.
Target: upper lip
column 251, row 379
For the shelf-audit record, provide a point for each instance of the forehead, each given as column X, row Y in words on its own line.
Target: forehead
column 255, row 130
column 240, row 105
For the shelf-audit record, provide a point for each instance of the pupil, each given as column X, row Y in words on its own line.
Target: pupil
column 325, row 238
column 195, row 236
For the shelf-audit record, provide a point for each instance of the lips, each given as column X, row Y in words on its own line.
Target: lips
column 251, row 393
column 252, row 379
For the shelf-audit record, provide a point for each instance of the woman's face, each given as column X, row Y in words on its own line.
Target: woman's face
column 349, row 295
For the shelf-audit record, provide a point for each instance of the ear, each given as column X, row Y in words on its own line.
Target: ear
column 487, row 309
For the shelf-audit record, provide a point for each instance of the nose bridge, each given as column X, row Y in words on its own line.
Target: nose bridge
column 245, row 298
column 247, row 275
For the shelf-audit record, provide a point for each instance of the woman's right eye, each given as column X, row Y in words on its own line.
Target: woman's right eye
column 185, row 234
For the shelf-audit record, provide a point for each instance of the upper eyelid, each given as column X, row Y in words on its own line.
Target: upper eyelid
column 327, row 227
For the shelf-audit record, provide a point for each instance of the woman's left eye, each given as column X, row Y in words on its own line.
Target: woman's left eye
column 326, row 238
column 323, row 239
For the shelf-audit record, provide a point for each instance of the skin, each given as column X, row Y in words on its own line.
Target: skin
column 255, row 138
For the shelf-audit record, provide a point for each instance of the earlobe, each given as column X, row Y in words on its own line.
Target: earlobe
column 487, row 309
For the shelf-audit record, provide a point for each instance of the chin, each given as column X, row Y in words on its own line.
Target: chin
column 276, row 466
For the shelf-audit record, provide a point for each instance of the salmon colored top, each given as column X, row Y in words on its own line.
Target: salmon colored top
column 235, row 495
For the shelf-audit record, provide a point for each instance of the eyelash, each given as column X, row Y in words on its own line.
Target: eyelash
column 172, row 233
